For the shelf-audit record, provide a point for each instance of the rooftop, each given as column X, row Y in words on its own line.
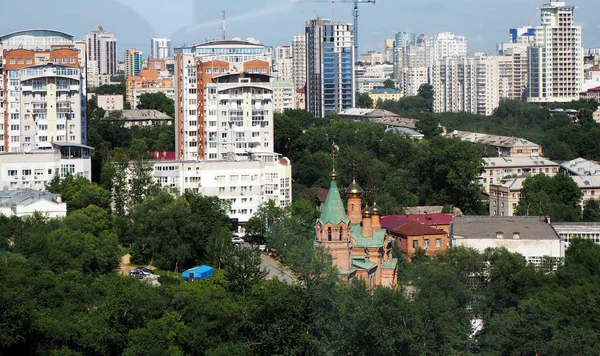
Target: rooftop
column 586, row 182
column 384, row 91
column 514, row 184
column 412, row 228
column 377, row 240
column 333, row 210
column 427, row 219
column 26, row 196
column 492, row 140
column 517, row 161
column 487, row 227
column 581, row 167
column 134, row 115
column 432, row 209
column 404, row 131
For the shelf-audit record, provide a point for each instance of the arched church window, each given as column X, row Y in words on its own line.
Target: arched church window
column 329, row 233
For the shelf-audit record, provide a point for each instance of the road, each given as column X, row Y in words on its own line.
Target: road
column 275, row 269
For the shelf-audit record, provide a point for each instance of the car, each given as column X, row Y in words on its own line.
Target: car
column 139, row 274
column 146, row 270
column 262, row 248
column 236, row 240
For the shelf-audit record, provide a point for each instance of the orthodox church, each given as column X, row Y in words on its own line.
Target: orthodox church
column 360, row 247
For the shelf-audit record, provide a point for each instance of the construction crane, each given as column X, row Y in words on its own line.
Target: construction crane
column 355, row 14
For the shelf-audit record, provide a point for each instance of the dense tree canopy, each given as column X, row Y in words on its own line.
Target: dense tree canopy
column 558, row 197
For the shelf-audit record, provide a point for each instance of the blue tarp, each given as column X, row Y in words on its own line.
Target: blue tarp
column 196, row 273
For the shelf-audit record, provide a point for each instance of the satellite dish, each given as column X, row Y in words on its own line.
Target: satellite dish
column 27, row 148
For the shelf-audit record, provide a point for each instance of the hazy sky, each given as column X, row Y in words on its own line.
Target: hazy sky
column 274, row 22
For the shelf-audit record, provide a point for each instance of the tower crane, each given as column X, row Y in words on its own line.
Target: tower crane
column 355, row 14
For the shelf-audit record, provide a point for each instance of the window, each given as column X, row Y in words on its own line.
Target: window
column 438, row 243
column 329, row 234
column 12, row 172
column 415, row 244
column 221, row 189
column 426, row 245
column 27, row 172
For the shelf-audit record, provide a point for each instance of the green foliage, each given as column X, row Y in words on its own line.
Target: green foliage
column 109, row 89
column 157, row 101
column 557, row 197
column 388, row 83
column 591, row 211
column 363, row 100
column 79, row 193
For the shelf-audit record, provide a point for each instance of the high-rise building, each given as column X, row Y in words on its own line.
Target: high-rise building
column 224, row 100
column 43, row 91
column 472, row 84
column 299, row 61
column 133, row 62
column 447, row 44
column 412, row 63
column 556, row 57
column 330, row 67
column 388, row 50
column 101, row 49
column 284, row 63
column 403, row 39
column 518, row 53
column 160, row 48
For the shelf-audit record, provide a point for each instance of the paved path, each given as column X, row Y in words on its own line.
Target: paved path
column 275, row 269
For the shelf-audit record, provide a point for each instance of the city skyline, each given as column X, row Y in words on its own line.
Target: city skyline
column 274, row 22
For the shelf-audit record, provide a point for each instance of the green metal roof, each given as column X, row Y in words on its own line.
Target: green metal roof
column 362, row 263
column 390, row 264
column 333, row 210
column 373, row 241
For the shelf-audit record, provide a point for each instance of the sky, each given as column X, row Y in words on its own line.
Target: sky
column 274, row 22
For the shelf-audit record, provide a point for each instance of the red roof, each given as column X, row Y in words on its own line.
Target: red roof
column 412, row 228
column 427, row 219
column 164, row 156
column 392, row 222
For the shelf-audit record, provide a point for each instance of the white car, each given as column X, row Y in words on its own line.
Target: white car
column 236, row 240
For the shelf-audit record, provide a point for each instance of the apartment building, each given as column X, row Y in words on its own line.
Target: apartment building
column 160, row 48
column 580, row 167
column 330, row 67
column 505, row 195
column 384, row 94
column 101, row 52
column 284, row 63
column 148, row 81
column 20, row 170
column 472, row 84
column 372, row 57
column 506, row 146
column 224, row 100
column 412, row 64
column 284, row 96
column 497, row 169
column 42, row 90
column 246, row 181
column 109, row 102
column 555, row 60
column 577, row 230
column 388, row 50
column 518, row 81
column 369, row 77
column 299, row 61
column 26, row 202
column 447, row 44
column 133, row 62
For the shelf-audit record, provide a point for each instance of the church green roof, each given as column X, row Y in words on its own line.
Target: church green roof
column 333, row 210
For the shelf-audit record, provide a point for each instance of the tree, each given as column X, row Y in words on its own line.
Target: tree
column 243, row 269
column 557, row 197
column 260, row 223
column 591, row 211
column 425, row 91
column 157, row 101
column 388, row 83
column 585, row 117
column 363, row 100
column 429, row 126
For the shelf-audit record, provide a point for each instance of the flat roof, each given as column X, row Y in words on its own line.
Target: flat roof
column 492, row 140
column 26, row 196
column 514, row 184
column 581, row 167
column 517, row 161
column 71, row 144
column 487, row 227
column 40, row 32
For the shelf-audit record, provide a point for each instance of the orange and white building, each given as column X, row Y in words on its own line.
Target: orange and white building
column 224, row 100
column 42, row 90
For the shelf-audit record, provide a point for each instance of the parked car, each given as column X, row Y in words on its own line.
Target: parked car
column 236, row 240
column 139, row 274
column 262, row 248
column 146, row 270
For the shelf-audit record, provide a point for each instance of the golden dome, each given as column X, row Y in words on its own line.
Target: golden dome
column 333, row 175
column 354, row 190
column 375, row 209
column 366, row 213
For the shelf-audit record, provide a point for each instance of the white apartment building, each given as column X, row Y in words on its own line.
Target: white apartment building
column 556, row 57
column 160, row 48
column 110, row 102
column 412, row 65
column 35, row 169
column 26, row 202
column 518, row 53
column 284, row 96
column 472, row 84
column 447, row 44
column 44, row 90
column 299, row 61
column 498, row 169
column 369, row 77
column 102, row 49
column 246, row 181
column 224, row 100
column 372, row 58
column 284, row 64
column 505, row 195
column 330, row 67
